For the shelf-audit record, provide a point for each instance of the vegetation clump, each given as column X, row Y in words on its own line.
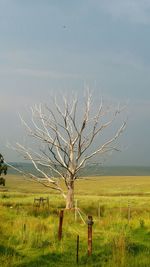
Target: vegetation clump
column 3, row 170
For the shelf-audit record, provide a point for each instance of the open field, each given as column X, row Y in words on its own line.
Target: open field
column 121, row 231
column 103, row 185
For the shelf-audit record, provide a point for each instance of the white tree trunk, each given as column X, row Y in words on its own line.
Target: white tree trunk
column 70, row 196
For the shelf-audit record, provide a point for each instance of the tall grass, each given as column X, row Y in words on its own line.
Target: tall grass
column 29, row 234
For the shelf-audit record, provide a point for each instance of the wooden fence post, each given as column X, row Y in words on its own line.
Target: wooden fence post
column 90, row 224
column 61, row 215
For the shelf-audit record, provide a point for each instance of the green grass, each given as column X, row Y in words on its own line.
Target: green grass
column 103, row 185
column 29, row 233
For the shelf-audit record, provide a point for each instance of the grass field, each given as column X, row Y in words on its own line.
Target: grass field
column 121, row 230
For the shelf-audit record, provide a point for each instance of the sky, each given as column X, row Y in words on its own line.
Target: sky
column 51, row 46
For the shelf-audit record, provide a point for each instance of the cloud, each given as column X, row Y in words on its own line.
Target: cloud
column 37, row 73
column 136, row 11
column 45, row 73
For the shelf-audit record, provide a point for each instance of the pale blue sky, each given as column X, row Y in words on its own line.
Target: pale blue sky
column 61, row 45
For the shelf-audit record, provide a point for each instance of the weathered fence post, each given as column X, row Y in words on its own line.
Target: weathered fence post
column 77, row 256
column 61, row 215
column 90, row 224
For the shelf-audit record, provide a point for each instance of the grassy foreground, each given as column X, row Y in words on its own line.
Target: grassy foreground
column 121, row 230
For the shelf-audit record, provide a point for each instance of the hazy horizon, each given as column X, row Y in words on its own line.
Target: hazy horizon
column 98, row 170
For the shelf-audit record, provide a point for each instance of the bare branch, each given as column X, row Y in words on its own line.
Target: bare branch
column 67, row 136
column 104, row 147
column 36, row 179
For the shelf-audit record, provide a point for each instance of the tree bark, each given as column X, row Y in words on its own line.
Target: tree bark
column 70, row 196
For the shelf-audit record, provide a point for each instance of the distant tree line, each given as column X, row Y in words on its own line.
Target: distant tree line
column 3, row 166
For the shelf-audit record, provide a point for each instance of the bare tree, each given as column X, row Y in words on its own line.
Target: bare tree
column 69, row 138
